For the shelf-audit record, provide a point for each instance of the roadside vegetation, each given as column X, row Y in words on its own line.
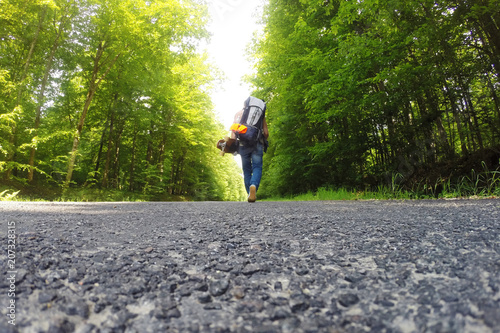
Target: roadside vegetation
column 477, row 185
column 20, row 192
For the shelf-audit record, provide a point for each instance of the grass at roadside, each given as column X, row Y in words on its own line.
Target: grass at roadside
column 345, row 194
column 382, row 194
column 475, row 185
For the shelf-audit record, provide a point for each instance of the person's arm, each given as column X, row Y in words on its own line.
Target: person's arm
column 265, row 131
column 236, row 120
column 237, row 117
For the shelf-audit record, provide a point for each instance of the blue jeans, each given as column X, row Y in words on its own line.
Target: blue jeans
column 251, row 161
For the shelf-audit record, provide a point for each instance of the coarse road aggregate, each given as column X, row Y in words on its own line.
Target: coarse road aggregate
column 322, row 266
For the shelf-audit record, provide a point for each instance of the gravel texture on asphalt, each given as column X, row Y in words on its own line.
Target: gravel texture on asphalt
column 356, row 266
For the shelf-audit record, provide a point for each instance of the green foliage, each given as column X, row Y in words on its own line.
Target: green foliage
column 360, row 90
column 6, row 196
column 478, row 185
column 109, row 97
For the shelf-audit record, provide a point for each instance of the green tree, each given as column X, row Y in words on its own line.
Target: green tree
column 119, row 85
column 21, row 28
column 358, row 91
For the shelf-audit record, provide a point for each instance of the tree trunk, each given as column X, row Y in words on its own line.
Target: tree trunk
column 179, row 174
column 496, row 100
column 132, row 160
column 161, row 157
column 436, row 116
column 172, row 174
column 489, row 24
column 471, row 143
column 93, row 85
column 99, row 153
column 149, row 150
column 426, row 125
column 443, row 137
column 41, row 97
column 477, row 129
column 116, row 162
column 110, row 142
column 456, row 116
column 12, row 139
column 76, row 139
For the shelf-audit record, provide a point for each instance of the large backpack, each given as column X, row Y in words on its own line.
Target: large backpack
column 249, row 130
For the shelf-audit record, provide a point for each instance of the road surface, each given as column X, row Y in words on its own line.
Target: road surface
column 326, row 266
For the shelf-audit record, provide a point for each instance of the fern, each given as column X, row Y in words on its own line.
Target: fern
column 6, row 196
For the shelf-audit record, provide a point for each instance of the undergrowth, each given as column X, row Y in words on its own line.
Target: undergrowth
column 484, row 184
column 15, row 191
column 8, row 195
column 476, row 184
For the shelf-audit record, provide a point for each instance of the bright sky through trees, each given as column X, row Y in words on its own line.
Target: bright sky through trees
column 232, row 27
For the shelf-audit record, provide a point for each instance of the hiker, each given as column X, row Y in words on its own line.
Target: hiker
column 250, row 128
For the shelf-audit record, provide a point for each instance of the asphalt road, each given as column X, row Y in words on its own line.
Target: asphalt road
column 358, row 266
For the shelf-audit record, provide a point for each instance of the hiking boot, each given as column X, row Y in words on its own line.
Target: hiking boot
column 253, row 193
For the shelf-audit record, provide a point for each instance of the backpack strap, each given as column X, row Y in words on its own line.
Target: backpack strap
column 246, row 111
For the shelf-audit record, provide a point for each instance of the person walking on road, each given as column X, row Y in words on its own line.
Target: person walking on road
column 250, row 128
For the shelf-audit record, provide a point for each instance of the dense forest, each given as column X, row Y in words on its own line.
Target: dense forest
column 115, row 94
column 110, row 94
column 363, row 92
